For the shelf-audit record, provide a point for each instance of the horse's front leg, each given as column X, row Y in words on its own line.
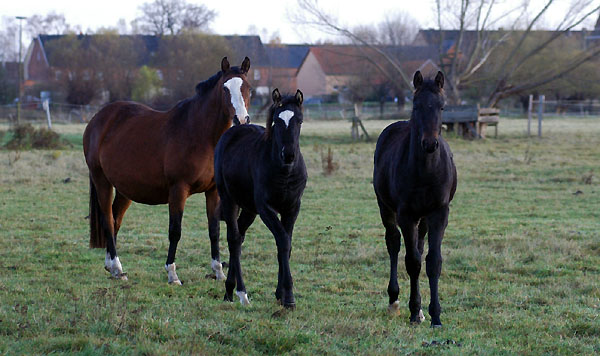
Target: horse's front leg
column 234, row 243
column 213, row 214
column 284, row 242
column 437, row 222
column 412, row 260
column 177, row 196
column 288, row 219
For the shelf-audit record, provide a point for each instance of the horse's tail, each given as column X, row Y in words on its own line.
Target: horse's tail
column 97, row 230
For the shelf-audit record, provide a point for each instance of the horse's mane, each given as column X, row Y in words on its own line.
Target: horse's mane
column 204, row 87
column 285, row 100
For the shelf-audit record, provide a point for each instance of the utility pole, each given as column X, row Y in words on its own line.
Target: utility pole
column 20, row 18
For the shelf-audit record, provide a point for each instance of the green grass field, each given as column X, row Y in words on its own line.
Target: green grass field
column 520, row 275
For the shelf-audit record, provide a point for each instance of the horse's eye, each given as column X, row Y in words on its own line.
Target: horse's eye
column 442, row 108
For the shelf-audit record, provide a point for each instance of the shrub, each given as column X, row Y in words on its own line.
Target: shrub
column 26, row 137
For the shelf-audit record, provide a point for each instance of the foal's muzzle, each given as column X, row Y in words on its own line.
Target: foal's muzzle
column 287, row 156
column 430, row 145
column 236, row 120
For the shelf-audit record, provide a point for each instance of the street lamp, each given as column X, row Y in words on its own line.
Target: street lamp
column 20, row 18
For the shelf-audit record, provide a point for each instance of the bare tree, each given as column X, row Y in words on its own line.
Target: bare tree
column 312, row 15
column 477, row 36
column 397, row 29
column 9, row 33
column 476, row 42
column 52, row 23
column 173, row 16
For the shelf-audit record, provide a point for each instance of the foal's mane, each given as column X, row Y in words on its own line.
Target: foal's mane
column 285, row 101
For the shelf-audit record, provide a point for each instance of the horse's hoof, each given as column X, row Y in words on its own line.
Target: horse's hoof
column 120, row 276
column 419, row 319
column 290, row 306
column 176, row 282
column 228, row 298
column 243, row 298
column 394, row 308
column 436, row 326
column 220, row 276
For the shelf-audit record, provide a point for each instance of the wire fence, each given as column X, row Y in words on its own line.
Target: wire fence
column 558, row 109
column 33, row 112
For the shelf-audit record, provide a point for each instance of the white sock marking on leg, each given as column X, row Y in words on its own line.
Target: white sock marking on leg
column 173, row 278
column 243, row 298
column 217, row 267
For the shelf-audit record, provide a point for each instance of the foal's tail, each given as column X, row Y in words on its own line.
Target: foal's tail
column 97, row 230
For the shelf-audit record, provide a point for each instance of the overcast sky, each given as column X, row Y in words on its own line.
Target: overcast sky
column 235, row 16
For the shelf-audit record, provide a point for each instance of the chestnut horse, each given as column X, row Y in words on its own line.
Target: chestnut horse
column 155, row 157
column 415, row 179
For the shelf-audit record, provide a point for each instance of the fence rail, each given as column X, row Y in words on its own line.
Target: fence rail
column 67, row 113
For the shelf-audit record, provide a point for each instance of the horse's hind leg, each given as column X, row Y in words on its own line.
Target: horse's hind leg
column 119, row 207
column 437, row 222
column 104, row 192
column 412, row 260
column 213, row 214
column 392, row 241
column 177, row 196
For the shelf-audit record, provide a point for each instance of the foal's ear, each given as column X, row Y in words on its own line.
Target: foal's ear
column 418, row 79
column 276, row 96
column 245, row 67
column 299, row 97
column 224, row 65
column 439, row 80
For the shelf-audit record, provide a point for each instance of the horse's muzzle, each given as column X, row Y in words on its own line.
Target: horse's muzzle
column 287, row 156
column 430, row 145
column 236, row 120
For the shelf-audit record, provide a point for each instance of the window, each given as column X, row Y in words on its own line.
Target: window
column 256, row 74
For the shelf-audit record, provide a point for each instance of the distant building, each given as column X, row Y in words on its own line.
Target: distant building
column 38, row 68
column 285, row 63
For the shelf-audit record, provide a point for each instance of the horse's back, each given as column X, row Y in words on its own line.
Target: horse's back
column 126, row 141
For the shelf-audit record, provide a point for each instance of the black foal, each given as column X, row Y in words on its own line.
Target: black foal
column 415, row 179
column 261, row 171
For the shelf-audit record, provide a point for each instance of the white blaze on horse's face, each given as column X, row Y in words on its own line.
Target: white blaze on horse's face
column 234, row 85
column 286, row 116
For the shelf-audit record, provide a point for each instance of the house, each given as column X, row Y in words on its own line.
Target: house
column 285, row 62
column 38, row 69
column 332, row 69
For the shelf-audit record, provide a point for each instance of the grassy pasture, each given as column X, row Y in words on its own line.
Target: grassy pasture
column 520, row 275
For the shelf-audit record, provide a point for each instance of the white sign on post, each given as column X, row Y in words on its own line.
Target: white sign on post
column 46, row 106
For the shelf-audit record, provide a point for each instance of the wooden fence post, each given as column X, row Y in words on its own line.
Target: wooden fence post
column 529, row 114
column 540, row 114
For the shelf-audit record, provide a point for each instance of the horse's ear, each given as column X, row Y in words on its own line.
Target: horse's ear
column 418, row 79
column 245, row 67
column 299, row 97
column 224, row 65
column 439, row 80
column 276, row 96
